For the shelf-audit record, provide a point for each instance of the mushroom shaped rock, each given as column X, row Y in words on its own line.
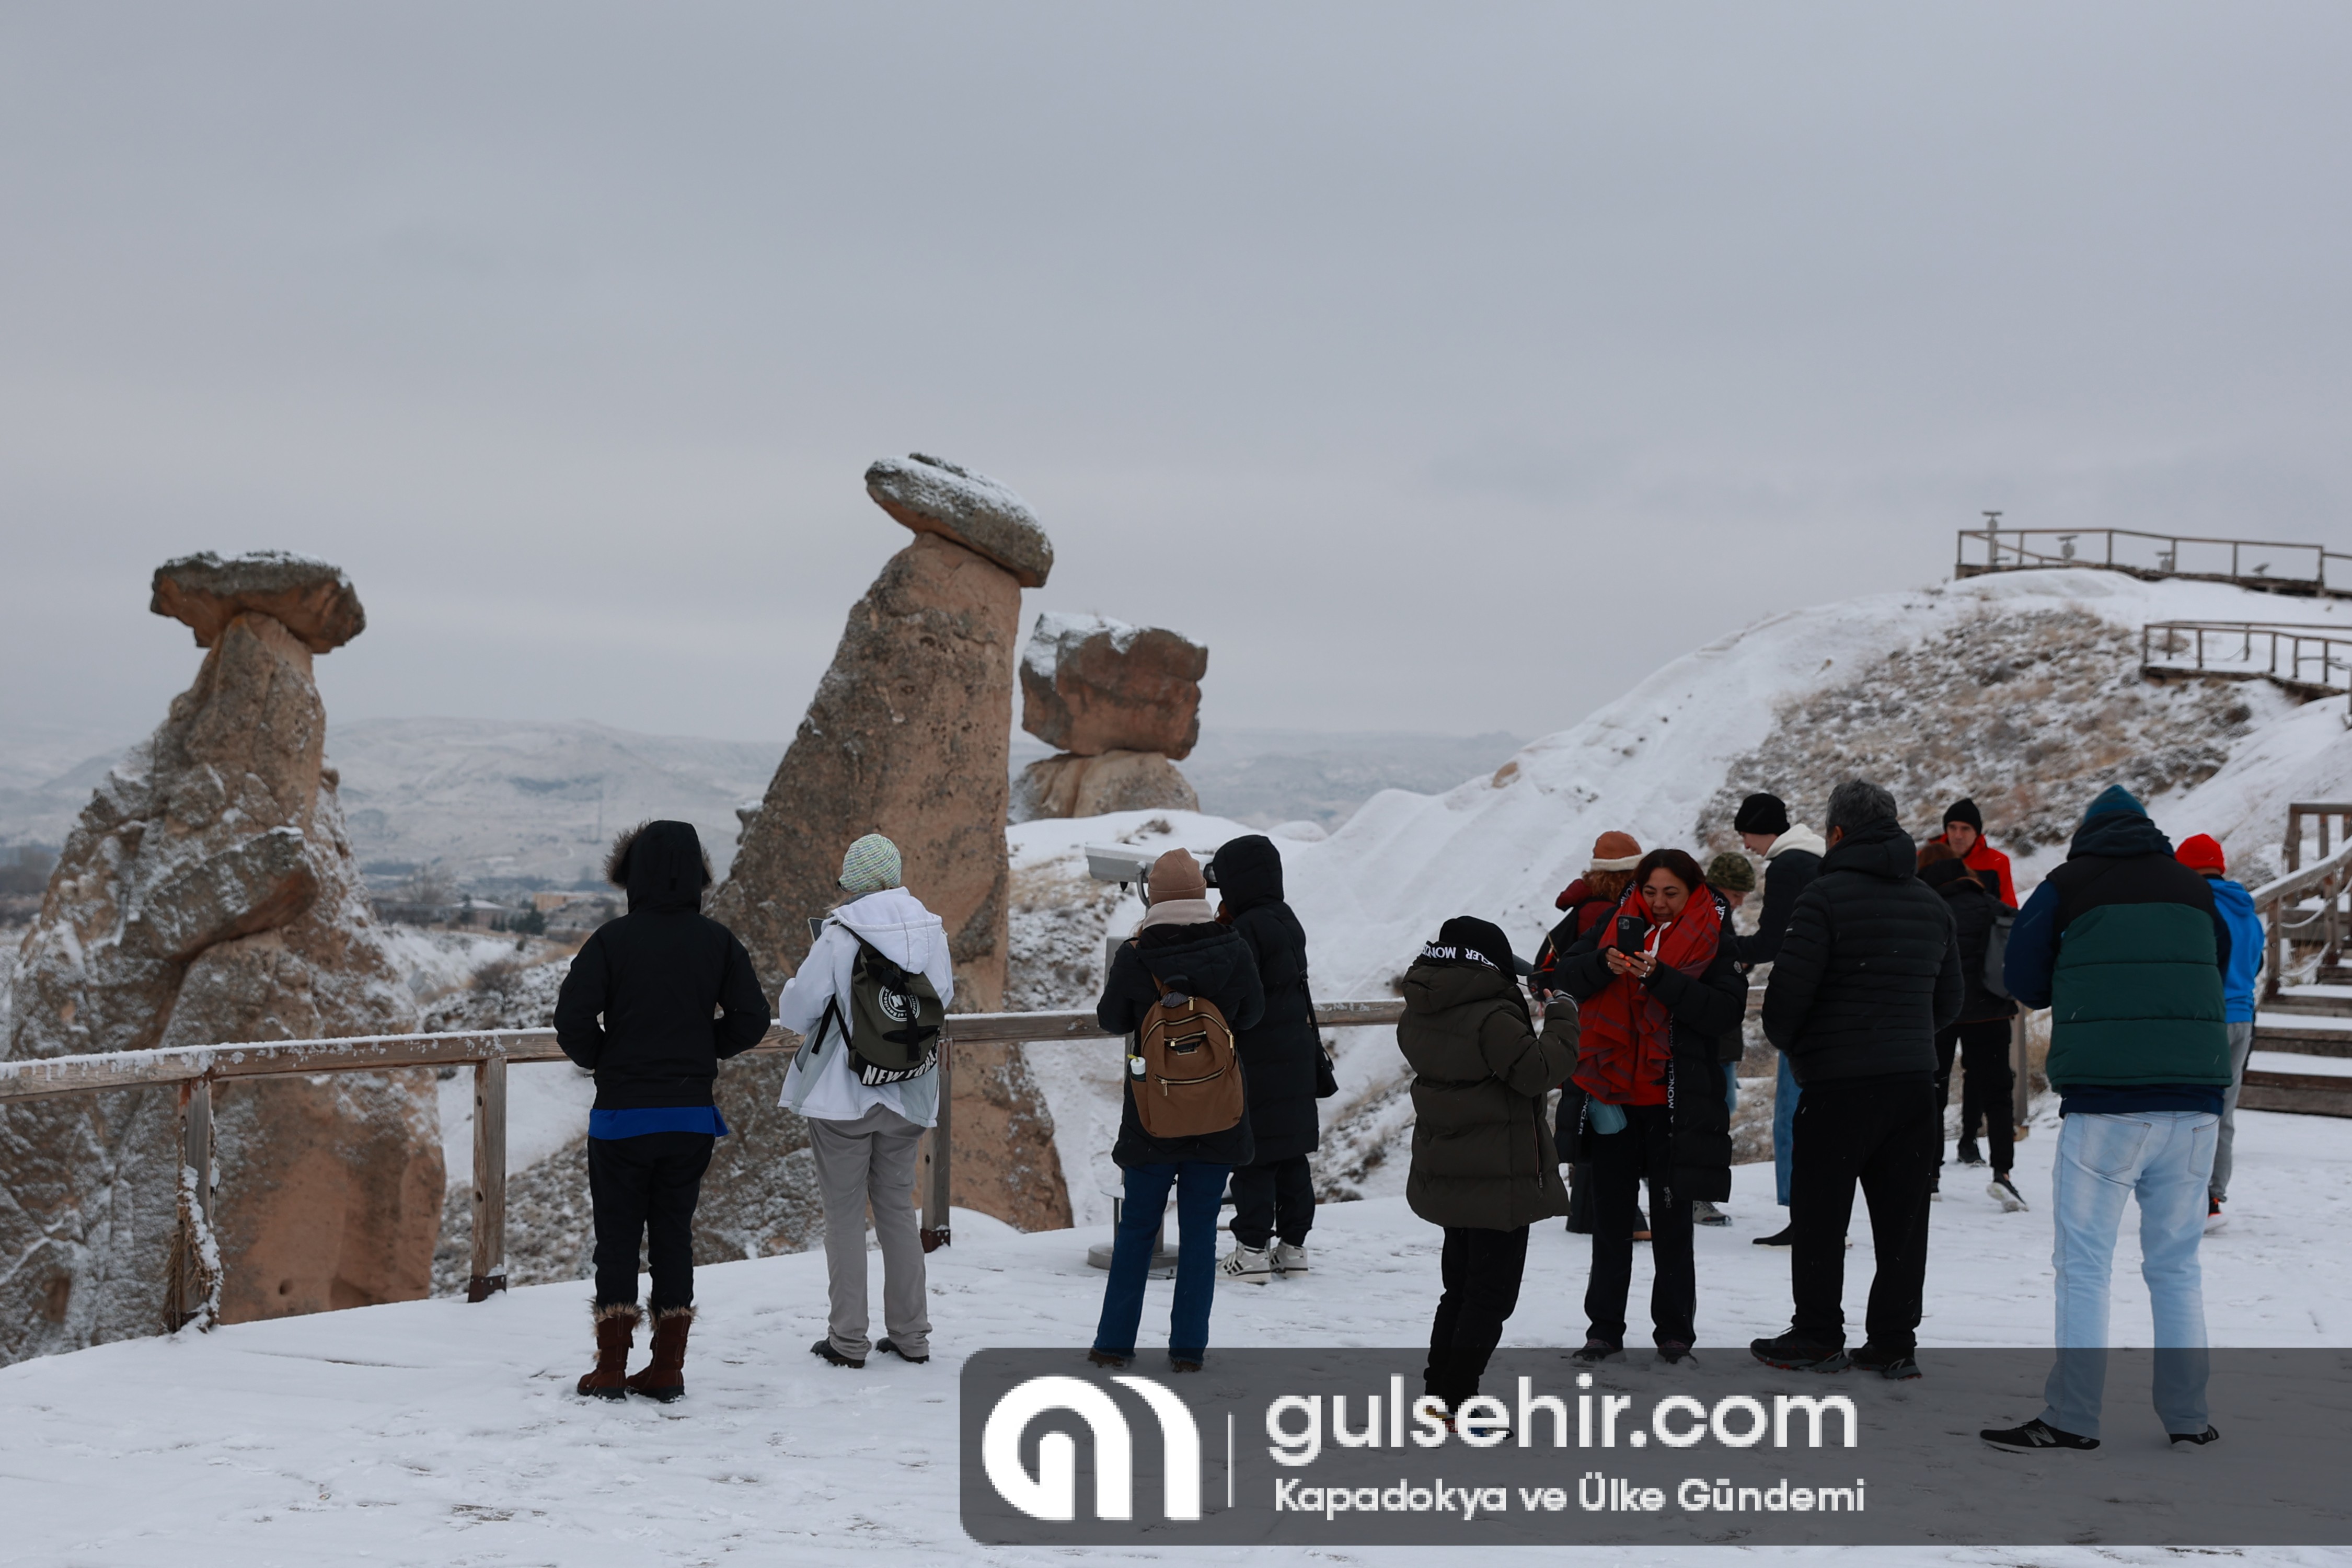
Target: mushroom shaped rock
column 931, row 495
column 1090, row 686
column 309, row 598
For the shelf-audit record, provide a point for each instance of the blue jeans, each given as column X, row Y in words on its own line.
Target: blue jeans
column 1784, row 1128
column 2165, row 1158
column 1200, row 1190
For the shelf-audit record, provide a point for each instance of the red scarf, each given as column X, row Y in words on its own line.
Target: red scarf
column 1625, row 1044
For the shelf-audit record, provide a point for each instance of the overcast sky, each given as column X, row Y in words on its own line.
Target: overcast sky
column 1443, row 367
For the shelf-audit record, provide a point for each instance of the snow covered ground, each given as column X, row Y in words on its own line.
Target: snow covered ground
column 439, row 1433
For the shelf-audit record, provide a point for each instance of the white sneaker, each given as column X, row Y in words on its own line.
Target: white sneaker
column 1289, row 1259
column 1246, row 1265
column 2004, row 1192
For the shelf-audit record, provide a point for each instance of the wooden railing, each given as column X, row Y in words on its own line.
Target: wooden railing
column 2309, row 660
column 195, row 1068
column 2266, row 564
column 2305, row 908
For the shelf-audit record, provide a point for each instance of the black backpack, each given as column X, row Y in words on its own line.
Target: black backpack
column 1997, row 950
column 892, row 1022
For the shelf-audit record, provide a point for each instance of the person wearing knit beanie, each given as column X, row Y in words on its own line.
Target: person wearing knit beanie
column 870, row 867
column 2248, row 948
column 1761, row 814
column 1615, row 851
column 1176, row 874
column 1465, row 939
column 1732, row 875
column 1964, row 810
column 2202, row 853
column 1964, row 833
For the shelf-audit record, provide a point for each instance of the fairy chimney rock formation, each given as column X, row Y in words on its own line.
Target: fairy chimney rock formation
column 208, row 895
column 1122, row 703
column 910, row 736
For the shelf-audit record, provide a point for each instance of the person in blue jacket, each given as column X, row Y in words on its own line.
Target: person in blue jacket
column 2248, row 946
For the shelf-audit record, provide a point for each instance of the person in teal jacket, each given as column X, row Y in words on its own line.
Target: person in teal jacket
column 2128, row 949
column 2248, row 944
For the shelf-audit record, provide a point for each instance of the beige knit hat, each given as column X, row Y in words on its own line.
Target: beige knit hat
column 1176, row 874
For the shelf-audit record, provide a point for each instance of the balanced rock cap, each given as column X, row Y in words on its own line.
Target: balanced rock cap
column 309, row 598
column 931, row 495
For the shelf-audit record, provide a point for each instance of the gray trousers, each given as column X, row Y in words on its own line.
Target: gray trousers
column 2241, row 1040
column 872, row 1161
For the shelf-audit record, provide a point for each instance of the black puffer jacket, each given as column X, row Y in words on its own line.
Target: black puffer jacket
column 636, row 1007
column 1704, row 1019
column 1973, row 912
column 1482, row 1157
column 1278, row 1055
column 1870, row 969
column 1787, row 874
column 1214, row 964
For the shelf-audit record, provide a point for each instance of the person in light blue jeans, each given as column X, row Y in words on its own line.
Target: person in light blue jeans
column 2163, row 1158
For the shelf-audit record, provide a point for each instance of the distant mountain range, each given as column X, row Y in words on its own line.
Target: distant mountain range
column 490, row 802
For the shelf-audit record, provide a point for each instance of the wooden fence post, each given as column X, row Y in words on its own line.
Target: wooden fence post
column 935, row 1188
column 489, row 1273
column 188, row 1294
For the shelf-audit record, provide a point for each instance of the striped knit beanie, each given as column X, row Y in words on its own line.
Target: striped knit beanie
column 871, row 865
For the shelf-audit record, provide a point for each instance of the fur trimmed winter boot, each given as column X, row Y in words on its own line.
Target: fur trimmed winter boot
column 617, row 1330
column 665, row 1379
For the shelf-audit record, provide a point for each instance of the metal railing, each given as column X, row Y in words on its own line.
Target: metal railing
column 2309, row 660
column 195, row 1068
column 2269, row 565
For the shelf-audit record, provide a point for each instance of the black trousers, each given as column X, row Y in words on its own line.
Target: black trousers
column 1619, row 1162
column 1276, row 1198
column 1983, row 1050
column 1888, row 1137
column 1482, row 1270
column 646, row 1184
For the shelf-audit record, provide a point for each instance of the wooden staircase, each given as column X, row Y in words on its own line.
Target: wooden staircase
column 2302, row 1029
column 2311, row 1021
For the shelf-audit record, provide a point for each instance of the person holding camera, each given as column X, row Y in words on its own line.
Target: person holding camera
column 1483, row 1163
column 1181, row 953
column 1660, row 999
column 652, row 1004
column 865, row 1125
column 1283, row 1069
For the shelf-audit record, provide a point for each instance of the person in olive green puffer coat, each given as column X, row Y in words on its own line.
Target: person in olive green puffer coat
column 1483, row 1162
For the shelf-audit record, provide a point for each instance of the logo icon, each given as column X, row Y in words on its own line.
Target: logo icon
column 896, row 1007
column 1053, row 1492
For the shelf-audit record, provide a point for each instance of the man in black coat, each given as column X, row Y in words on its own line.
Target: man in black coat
column 1869, row 972
column 1792, row 859
column 638, row 1009
column 1280, row 1056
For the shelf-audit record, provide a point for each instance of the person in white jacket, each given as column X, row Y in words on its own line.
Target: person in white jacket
column 864, row 1138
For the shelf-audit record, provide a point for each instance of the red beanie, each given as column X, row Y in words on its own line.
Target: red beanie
column 2202, row 853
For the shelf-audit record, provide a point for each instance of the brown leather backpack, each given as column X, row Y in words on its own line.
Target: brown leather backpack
column 1184, row 1072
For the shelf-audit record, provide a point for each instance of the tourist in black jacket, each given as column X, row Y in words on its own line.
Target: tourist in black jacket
column 1658, row 1016
column 1979, row 1036
column 1282, row 1063
column 1180, row 945
column 638, row 1009
column 1868, row 974
column 1792, row 859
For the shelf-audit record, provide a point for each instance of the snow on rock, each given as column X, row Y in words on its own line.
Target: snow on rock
column 438, row 1432
column 931, row 495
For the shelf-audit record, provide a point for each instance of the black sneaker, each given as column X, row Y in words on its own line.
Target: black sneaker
column 1784, row 1237
column 1969, row 1154
column 1791, row 1352
column 887, row 1348
column 823, row 1350
column 2036, row 1434
column 1673, row 1353
column 2194, row 1439
column 1595, row 1351
column 1897, row 1366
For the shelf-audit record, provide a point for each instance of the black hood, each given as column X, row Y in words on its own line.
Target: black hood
column 1950, row 878
column 1248, row 872
column 2119, row 833
column 1880, row 848
column 662, row 866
